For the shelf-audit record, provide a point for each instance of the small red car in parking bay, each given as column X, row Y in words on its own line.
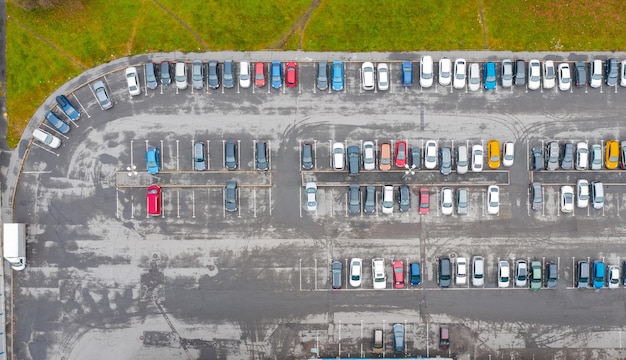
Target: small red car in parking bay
column 153, row 195
column 259, row 74
column 424, row 201
column 398, row 274
column 401, row 153
column 291, row 74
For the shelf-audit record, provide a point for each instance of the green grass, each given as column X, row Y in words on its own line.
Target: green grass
column 87, row 33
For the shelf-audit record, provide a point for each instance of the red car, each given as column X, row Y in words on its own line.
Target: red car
column 291, row 74
column 259, row 74
column 398, row 274
column 400, row 153
column 153, row 195
column 424, row 201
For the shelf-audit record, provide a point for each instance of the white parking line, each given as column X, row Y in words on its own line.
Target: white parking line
column 178, row 204
column 208, row 155
column 271, row 202
column 254, row 200
column 193, row 143
column 81, row 106
column 300, row 197
column 132, row 206
column 193, row 203
column 177, row 157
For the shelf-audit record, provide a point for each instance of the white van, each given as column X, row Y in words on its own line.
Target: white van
column 181, row 75
column 46, row 138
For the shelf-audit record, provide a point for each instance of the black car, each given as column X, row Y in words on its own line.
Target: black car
column 404, row 198
column 353, row 159
column 580, row 74
column 567, row 163
column 307, row 156
column 214, row 75
column 322, row 75
column 612, row 72
column 416, row 157
column 551, row 275
column 537, row 159
column 230, row 199
column 520, row 73
column 336, row 269
column 228, row 78
column 166, row 77
column 370, row 200
column 151, row 79
column 444, row 277
column 261, row 156
column 230, row 155
column 354, row 199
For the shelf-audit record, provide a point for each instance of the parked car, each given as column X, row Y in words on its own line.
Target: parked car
column 553, row 151
column 68, row 108
column 489, row 71
column 444, row 277
column 407, row 74
column 307, row 156
column 582, row 193
column 276, row 74
column 612, row 72
column 595, row 73
column 404, row 198
column 424, row 201
column 398, row 274
column 552, row 275
column 447, row 207
column 508, row 154
column 507, row 73
column 401, row 153
column 549, row 74
column 230, row 198
column 474, row 77
column 582, row 156
column 322, row 75
column 460, row 74
column 379, row 279
column 416, row 275
column 387, row 199
column 151, row 78
column 46, row 138
column 369, row 155
column 132, row 81
column 426, row 71
column 567, row 199
column 537, row 159
column 164, row 70
column 611, row 154
column 535, row 275
column 460, row 274
column 596, row 157
column 612, row 280
column 354, row 199
column 462, row 160
column 353, row 159
column 534, row 74
column 367, row 75
column 180, row 75
column 291, row 74
column 337, row 80
column 383, row 76
column 102, row 95
column 462, row 201
column 622, row 155
column 259, row 74
column 385, row 157
column 228, row 77
column 582, row 274
column 520, row 72
column 493, row 154
column 57, row 123
column 521, row 273
column 444, row 337
column 445, row 159
column 493, row 200
column 536, row 196
column 369, row 206
column 565, row 77
column 214, row 75
column 580, row 73
column 244, row 74
column 378, row 344
column 153, row 160
column 311, row 196
column 503, row 274
column 445, row 71
column 199, row 156
column 622, row 76
column 197, row 75
column 336, row 269
column 356, row 272
column 598, row 274
column 338, row 155
column 230, row 155
column 478, row 271
column 261, row 157
column 477, row 158
column 416, row 157
column 398, row 337
column 597, row 194
column 430, row 154
column 153, row 200
column 567, row 163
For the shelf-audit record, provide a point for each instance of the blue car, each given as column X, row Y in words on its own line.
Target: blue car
column 416, row 276
column 277, row 74
column 152, row 160
column 337, row 76
column 597, row 274
column 58, row 124
column 68, row 108
column 489, row 71
column 407, row 74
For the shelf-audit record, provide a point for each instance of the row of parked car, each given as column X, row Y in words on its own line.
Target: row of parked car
column 562, row 155
column 405, row 157
column 584, row 192
column 69, row 111
column 398, row 334
column 154, row 198
column 599, row 275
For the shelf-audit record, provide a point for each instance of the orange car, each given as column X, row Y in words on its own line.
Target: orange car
column 493, row 154
column 385, row 157
column 612, row 154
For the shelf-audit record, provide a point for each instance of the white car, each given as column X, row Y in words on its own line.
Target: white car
column 582, row 156
column 613, row 277
column 338, row 155
column 460, row 73
column 132, row 81
column 582, row 193
column 493, row 200
column 478, row 271
column 567, row 199
column 244, row 74
column 383, row 76
column 595, row 74
column 461, row 271
column 565, row 77
column 46, row 138
column 369, row 155
column 426, row 71
column 508, row 154
column 356, row 272
column 180, row 75
column 367, row 72
column 446, row 201
column 311, row 196
column 521, row 273
column 379, row 279
column 445, row 71
column 430, row 155
column 503, row 274
column 622, row 76
column 474, row 77
column 477, row 158
column 549, row 74
column 387, row 199
column 534, row 74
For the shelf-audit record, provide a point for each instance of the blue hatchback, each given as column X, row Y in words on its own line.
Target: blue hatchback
column 407, row 74
column 58, row 124
column 416, row 276
column 68, row 108
column 152, row 160
column 277, row 74
column 337, row 75
column 597, row 274
column 489, row 71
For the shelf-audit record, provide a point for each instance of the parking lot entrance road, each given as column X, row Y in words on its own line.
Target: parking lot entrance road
column 430, row 177
column 197, row 179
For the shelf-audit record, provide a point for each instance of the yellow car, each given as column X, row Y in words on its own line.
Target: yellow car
column 493, row 154
column 612, row 154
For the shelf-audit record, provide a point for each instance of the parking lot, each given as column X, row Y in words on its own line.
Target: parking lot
column 260, row 276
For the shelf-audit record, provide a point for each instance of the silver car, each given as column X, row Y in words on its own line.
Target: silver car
column 462, row 160
column 596, row 157
column 553, row 155
column 507, row 73
column 462, row 201
column 369, row 156
column 197, row 74
column 102, row 95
